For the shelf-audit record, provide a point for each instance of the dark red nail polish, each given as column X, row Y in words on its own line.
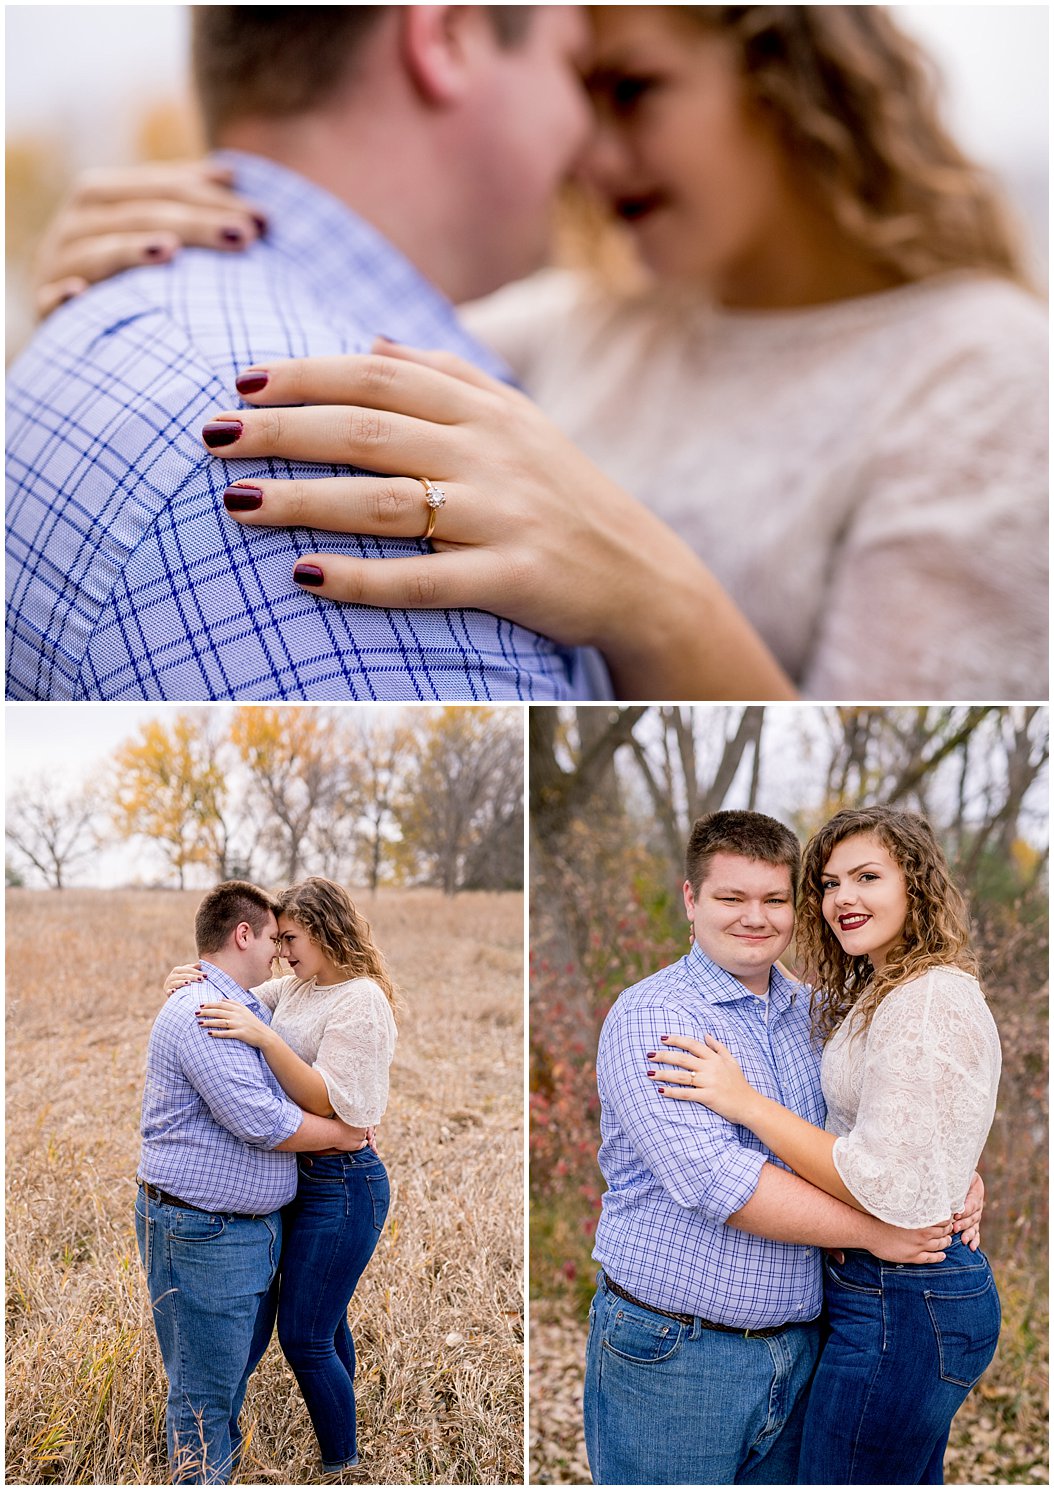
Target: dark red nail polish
column 664, row 1037
column 649, row 1073
column 660, row 1089
column 650, row 1056
column 243, row 498
column 309, row 574
column 232, row 235
column 251, row 382
column 222, row 432
column 153, row 251
column 260, row 224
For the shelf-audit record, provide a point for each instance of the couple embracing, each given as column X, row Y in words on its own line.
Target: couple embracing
column 260, row 1193
column 749, row 1121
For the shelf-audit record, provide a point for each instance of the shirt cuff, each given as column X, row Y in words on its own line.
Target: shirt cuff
column 289, row 1119
column 732, row 1183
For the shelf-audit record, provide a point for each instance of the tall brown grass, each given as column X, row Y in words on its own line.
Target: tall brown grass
column 438, row 1316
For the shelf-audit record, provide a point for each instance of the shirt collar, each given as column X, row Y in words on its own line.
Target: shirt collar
column 718, row 986
column 346, row 260
column 227, row 985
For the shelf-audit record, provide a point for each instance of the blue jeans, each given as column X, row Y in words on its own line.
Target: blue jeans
column 331, row 1230
column 212, row 1285
column 906, row 1345
column 674, row 1404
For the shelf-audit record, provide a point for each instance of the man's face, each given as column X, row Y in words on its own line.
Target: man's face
column 260, row 952
column 743, row 916
column 528, row 124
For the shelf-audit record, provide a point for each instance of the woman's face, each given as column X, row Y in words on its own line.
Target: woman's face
column 865, row 898
column 303, row 956
column 680, row 153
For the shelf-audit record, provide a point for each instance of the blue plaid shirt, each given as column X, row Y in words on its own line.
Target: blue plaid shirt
column 213, row 1111
column 676, row 1171
column 126, row 578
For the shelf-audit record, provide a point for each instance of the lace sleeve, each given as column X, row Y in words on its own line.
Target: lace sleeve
column 940, row 580
column 354, row 1054
column 927, row 1098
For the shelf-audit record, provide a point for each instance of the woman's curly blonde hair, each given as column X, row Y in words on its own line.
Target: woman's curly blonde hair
column 854, row 103
column 326, row 912
column 936, row 930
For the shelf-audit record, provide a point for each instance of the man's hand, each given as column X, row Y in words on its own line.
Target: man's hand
column 923, row 1244
column 350, row 1139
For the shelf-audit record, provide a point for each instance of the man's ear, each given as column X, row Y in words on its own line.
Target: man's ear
column 689, row 899
column 440, row 47
column 243, row 935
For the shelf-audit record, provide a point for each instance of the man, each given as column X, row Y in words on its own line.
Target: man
column 703, row 1333
column 216, row 1165
column 405, row 157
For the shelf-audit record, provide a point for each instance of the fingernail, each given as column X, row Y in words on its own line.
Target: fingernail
column 649, row 1073
column 243, row 498
column 660, row 1089
column 260, row 224
column 222, row 432
column 650, row 1056
column 309, row 574
column 232, row 235
column 251, row 382
column 154, row 251
column 664, row 1037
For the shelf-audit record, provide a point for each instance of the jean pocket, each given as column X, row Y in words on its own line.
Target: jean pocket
column 380, row 1195
column 854, row 1280
column 641, row 1337
column 966, row 1326
column 196, row 1226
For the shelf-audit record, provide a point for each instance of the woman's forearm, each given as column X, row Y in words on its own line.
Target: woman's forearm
column 808, row 1150
column 301, row 1082
column 676, row 634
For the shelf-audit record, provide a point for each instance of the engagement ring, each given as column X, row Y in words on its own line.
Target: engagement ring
column 435, row 496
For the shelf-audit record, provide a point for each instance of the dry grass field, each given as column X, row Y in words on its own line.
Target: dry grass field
column 438, row 1317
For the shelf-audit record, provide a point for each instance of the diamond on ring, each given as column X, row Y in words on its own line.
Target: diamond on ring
column 435, row 497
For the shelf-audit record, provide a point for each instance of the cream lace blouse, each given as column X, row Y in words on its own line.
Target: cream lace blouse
column 346, row 1031
column 867, row 479
column 912, row 1098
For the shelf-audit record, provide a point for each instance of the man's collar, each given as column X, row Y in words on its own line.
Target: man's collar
column 346, row 260
column 718, row 986
column 228, row 986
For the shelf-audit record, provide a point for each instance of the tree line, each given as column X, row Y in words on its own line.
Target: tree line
column 271, row 793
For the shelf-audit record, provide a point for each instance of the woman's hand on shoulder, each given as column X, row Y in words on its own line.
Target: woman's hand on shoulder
column 229, row 1020
column 179, row 977
column 123, row 218
column 521, row 522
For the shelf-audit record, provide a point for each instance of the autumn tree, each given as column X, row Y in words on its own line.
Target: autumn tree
column 461, row 811
column 52, row 827
column 302, row 770
column 169, row 787
column 385, row 749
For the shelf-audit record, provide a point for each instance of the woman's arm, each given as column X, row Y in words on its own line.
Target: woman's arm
column 529, row 529
column 710, row 1074
column 229, row 1020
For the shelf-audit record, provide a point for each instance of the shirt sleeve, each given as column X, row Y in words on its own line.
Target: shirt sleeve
column 931, row 1069
column 939, row 584
column 354, row 1055
column 699, row 1158
column 234, row 1082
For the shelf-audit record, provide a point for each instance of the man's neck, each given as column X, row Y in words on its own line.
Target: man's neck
column 392, row 176
column 229, row 965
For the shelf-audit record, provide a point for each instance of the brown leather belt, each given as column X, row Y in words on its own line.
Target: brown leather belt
column 707, row 1324
column 163, row 1196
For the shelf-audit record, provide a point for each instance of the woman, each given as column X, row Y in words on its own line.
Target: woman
column 909, row 1073
column 830, row 387
column 329, row 1044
